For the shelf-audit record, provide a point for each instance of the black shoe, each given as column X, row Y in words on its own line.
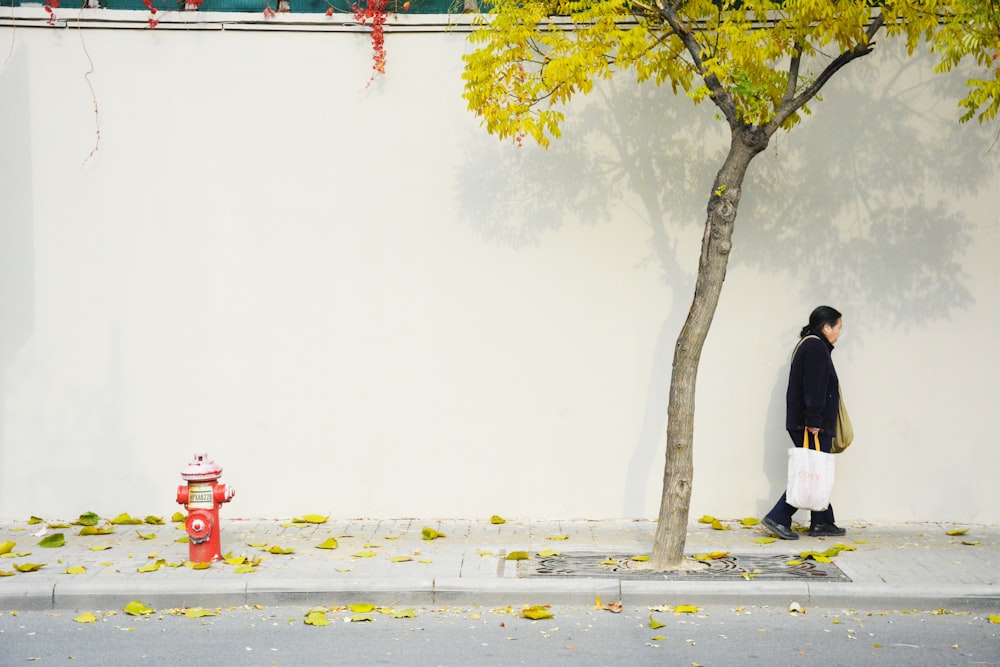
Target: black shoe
column 783, row 532
column 826, row 530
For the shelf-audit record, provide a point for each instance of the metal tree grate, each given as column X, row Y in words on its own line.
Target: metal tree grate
column 734, row 566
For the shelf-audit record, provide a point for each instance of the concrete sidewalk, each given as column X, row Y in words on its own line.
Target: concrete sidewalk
column 387, row 562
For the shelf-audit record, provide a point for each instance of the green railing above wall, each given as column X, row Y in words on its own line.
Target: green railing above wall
column 295, row 6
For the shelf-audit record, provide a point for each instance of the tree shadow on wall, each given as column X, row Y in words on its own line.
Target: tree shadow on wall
column 845, row 205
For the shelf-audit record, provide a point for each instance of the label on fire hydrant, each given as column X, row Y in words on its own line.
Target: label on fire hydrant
column 200, row 495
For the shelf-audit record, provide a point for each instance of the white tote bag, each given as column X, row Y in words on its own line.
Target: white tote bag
column 810, row 476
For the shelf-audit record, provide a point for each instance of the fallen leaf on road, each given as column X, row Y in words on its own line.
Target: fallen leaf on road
column 178, row 517
column 28, row 567
column 431, row 534
column 613, row 607
column 100, row 547
column 401, row 559
column 404, row 613
column 557, row 537
column 148, row 536
column 715, row 555
column 642, row 558
column 245, row 569
column 5, row 547
column 685, row 609
column 957, row 531
column 749, row 521
column 537, row 612
column 125, row 519
column 518, row 555
column 136, row 608
column 154, row 520
column 994, row 618
column 765, row 540
column 795, row 608
column 328, row 543
column 311, row 518
column 52, row 541
column 96, row 530
column 497, row 519
column 708, row 518
column 317, row 618
column 717, row 525
column 548, row 553
column 198, row 612
column 75, row 569
column 280, row 550
column 86, row 617
column 654, row 624
column 364, row 554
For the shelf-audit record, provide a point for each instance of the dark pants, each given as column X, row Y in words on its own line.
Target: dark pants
column 782, row 512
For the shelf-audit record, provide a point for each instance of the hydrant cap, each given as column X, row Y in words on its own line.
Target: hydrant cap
column 201, row 470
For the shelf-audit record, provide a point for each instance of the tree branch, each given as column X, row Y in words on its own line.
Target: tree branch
column 790, row 106
column 718, row 94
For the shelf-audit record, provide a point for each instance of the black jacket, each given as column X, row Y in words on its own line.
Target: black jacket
column 813, row 396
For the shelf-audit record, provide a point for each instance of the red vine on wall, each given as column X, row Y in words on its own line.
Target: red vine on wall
column 373, row 13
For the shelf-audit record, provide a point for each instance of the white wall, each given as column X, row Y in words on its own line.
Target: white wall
column 359, row 303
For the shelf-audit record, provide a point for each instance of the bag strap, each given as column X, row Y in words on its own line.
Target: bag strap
column 805, row 440
column 802, row 340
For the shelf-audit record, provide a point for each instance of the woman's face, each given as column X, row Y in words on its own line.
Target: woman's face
column 832, row 333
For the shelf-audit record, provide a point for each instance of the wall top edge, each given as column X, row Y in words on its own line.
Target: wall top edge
column 109, row 19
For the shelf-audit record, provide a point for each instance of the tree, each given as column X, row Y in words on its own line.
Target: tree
column 760, row 62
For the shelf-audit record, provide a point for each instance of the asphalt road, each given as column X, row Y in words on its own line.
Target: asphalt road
column 501, row 636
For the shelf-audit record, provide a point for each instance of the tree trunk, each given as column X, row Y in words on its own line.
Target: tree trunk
column 671, row 530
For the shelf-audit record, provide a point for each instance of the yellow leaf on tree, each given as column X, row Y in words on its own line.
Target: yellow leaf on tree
column 198, row 612
column 136, row 608
column 654, row 624
column 958, row 531
column 75, row 569
column 496, row 519
column 328, row 543
column 518, row 555
column 52, row 541
column 311, row 518
column 86, row 617
column 431, row 534
column 536, row 612
column 5, row 547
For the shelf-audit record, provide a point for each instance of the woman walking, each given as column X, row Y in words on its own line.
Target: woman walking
column 812, row 402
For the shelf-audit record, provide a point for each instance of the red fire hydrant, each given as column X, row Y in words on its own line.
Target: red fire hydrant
column 202, row 497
